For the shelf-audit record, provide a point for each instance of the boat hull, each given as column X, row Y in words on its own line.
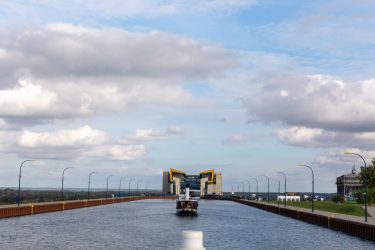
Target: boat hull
column 187, row 207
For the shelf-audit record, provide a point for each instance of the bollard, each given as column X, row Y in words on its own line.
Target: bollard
column 193, row 240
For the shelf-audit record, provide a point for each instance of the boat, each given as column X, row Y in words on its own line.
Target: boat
column 186, row 204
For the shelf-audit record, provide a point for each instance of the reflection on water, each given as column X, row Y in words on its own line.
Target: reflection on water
column 153, row 224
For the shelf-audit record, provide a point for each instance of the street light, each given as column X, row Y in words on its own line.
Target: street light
column 238, row 187
column 249, row 186
column 88, row 189
column 243, row 187
column 62, row 182
column 257, row 188
column 232, row 189
column 130, row 181
column 350, row 153
column 146, row 188
column 119, row 186
column 19, row 181
column 284, row 186
column 278, row 200
column 137, row 187
column 268, row 187
column 106, row 189
column 312, row 195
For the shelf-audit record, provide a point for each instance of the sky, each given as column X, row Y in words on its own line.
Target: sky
column 132, row 88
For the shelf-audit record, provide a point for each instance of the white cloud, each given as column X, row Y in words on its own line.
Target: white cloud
column 312, row 137
column 143, row 135
column 237, row 139
column 301, row 136
column 81, row 137
column 65, row 51
column 33, row 102
column 81, row 143
column 315, row 101
column 26, row 99
column 121, row 152
column 335, row 158
column 174, row 130
column 149, row 134
column 66, row 71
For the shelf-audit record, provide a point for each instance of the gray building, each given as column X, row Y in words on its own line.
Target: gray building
column 205, row 183
column 348, row 184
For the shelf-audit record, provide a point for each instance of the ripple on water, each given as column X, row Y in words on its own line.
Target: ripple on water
column 153, row 224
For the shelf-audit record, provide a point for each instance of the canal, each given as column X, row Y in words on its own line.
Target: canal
column 153, row 224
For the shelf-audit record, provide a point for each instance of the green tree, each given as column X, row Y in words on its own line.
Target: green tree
column 370, row 197
column 370, row 174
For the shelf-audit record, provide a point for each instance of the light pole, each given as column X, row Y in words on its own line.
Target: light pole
column 312, row 193
column 249, row 186
column 137, row 187
column 238, row 187
column 284, row 186
column 88, row 189
column 146, row 188
column 232, row 189
column 106, row 189
column 278, row 200
column 243, row 187
column 350, row 153
column 257, row 188
column 119, row 186
column 62, row 182
column 268, row 187
column 130, row 181
column 19, row 181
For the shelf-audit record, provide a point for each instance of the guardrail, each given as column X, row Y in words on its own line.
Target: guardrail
column 39, row 208
column 358, row 229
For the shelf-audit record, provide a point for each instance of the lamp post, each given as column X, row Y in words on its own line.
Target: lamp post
column 130, row 181
column 119, row 186
column 350, row 153
column 146, row 188
column 243, row 187
column 268, row 187
column 106, row 189
column 284, row 186
column 19, row 181
column 312, row 182
column 62, row 182
column 88, row 189
column 257, row 188
column 232, row 189
column 278, row 200
column 137, row 187
column 249, row 186
column 238, row 187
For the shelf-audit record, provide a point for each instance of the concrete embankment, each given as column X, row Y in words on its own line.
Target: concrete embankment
column 13, row 211
column 358, row 229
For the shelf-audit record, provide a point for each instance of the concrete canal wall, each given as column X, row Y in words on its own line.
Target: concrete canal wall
column 14, row 211
column 361, row 230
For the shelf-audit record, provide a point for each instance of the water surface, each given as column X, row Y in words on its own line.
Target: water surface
column 153, row 224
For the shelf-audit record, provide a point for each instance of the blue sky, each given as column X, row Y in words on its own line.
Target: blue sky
column 132, row 88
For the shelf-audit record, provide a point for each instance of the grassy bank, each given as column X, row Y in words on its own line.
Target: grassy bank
column 329, row 206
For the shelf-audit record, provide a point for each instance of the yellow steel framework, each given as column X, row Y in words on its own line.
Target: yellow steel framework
column 211, row 174
column 172, row 171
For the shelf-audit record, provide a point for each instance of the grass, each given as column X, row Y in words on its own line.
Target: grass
column 329, row 206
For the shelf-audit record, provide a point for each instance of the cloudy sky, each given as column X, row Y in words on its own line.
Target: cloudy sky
column 133, row 88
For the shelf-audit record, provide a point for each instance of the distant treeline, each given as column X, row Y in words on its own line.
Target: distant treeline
column 9, row 196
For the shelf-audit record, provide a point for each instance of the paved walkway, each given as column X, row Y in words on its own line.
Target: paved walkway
column 370, row 210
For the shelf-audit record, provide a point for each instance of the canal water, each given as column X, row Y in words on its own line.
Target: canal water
column 153, row 224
